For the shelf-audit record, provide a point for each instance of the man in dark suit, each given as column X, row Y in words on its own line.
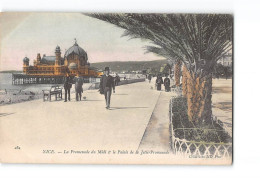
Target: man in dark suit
column 106, row 85
column 67, row 86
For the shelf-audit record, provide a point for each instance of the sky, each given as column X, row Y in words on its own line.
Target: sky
column 26, row 34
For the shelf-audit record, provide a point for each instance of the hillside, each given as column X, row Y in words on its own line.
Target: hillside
column 130, row 65
column 118, row 66
column 11, row 71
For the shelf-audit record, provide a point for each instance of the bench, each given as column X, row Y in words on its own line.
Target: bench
column 55, row 90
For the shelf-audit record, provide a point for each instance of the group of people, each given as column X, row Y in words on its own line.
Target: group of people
column 78, row 80
column 107, row 84
column 159, row 81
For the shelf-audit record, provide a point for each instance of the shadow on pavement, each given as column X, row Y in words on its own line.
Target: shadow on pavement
column 83, row 100
column 5, row 114
column 115, row 108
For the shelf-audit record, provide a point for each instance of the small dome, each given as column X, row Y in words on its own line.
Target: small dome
column 57, row 49
column 76, row 49
column 26, row 59
column 73, row 66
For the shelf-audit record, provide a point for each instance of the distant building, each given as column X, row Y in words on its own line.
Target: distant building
column 75, row 60
column 226, row 60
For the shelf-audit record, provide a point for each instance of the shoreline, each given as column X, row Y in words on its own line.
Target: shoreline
column 13, row 96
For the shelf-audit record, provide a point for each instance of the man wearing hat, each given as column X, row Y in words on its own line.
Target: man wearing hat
column 67, row 86
column 106, row 85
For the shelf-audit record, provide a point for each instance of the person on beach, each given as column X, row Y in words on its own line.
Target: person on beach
column 159, row 82
column 106, row 85
column 78, row 86
column 117, row 80
column 166, row 83
column 67, row 86
column 149, row 78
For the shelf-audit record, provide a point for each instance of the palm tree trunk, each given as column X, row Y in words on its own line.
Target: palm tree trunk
column 199, row 97
column 177, row 72
column 184, row 80
column 206, row 102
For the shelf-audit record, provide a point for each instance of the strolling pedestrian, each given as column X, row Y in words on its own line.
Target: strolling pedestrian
column 78, row 86
column 167, row 83
column 106, row 86
column 117, row 80
column 159, row 82
column 149, row 78
column 67, row 86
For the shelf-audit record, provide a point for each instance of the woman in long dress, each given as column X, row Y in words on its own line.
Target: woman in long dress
column 159, row 82
column 149, row 78
column 167, row 83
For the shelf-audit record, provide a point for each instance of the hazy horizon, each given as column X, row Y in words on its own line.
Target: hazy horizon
column 26, row 34
column 101, row 62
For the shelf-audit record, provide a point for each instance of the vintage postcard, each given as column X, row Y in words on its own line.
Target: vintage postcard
column 118, row 88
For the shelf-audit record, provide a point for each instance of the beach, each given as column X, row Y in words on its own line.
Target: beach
column 11, row 94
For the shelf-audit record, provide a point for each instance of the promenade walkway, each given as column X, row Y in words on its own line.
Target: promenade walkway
column 38, row 125
column 157, row 136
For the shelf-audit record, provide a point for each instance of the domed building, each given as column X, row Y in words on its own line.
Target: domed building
column 75, row 60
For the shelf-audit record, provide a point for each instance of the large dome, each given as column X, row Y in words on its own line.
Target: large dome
column 76, row 49
column 26, row 59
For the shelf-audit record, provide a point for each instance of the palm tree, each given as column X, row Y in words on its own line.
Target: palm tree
column 198, row 40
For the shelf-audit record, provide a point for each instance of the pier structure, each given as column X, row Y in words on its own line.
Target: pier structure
column 21, row 79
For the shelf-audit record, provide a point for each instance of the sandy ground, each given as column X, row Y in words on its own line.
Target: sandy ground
column 31, row 93
column 157, row 133
column 222, row 102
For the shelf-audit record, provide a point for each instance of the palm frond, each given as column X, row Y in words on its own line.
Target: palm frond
column 190, row 38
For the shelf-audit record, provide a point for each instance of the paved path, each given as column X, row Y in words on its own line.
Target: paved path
column 37, row 125
column 157, row 136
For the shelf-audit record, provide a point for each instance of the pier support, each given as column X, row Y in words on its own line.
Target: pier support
column 20, row 79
